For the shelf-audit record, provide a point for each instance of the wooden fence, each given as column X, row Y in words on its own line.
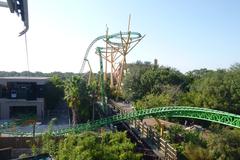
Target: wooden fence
column 150, row 134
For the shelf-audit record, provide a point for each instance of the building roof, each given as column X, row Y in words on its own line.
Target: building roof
column 38, row 80
column 33, row 78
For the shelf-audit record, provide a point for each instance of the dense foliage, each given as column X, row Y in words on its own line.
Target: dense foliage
column 77, row 97
column 153, row 86
column 89, row 146
column 53, row 92
column 193, row 145
column 36, row 74
column 217, row 90
column 131, row 88
column 142, row 79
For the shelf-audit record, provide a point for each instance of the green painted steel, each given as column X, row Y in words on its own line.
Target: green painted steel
column 134, row 35
column 172, row 111
column 160, row 112
column 102, row 85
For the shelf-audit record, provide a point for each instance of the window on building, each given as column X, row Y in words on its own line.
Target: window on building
column 19, row 112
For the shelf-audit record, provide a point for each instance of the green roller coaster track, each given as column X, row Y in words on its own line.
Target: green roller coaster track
column 172, row 111
column 160, row 112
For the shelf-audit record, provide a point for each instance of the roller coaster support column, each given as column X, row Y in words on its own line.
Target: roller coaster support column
column 106, row 55
column 102, row 84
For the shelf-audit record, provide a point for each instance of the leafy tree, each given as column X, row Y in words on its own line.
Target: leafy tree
column 53, row 93
column 171, row 95
column 36, row 74
column 151, row 101
column 45, row 143
column 197, row 73
column 176, row 134
column 142, row 79
column 108, row 146
column 90, row 146
column 76, row 96
column 218, row 90
column 183, row 140
column 225, row 146
column 93, row 88
column 235, row 67
column 191, row 76
column 132, row 88
column 196, row 152
column 154, row 80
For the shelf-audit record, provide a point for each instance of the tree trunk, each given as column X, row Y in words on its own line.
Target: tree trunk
column 75, row 115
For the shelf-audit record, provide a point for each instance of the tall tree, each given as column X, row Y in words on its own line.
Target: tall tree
column 75, row 89
column 225, row 145
column 218, row 90
column 53, row 93
column 155, row 79
column 132, row 88
column 142, row 79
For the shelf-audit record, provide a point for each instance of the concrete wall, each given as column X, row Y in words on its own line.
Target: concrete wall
column 6, row 103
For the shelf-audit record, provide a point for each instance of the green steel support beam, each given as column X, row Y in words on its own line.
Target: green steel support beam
column 102, row 85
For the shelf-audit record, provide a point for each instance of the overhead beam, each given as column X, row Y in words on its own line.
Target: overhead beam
column 4, row 4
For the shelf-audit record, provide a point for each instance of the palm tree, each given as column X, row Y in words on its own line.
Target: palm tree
column 72, row 90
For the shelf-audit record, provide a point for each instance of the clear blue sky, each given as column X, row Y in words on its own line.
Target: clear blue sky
column 183, row 34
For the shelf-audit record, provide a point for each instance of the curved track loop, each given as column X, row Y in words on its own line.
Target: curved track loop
column 134, row 35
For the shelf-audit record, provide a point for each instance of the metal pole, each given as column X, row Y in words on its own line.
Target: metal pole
column 112, row 83
column 102, row 84
column 4, row 4
column 106, row 55
column 129, row 22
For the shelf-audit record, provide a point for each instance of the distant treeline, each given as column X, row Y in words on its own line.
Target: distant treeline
column 36, row 74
